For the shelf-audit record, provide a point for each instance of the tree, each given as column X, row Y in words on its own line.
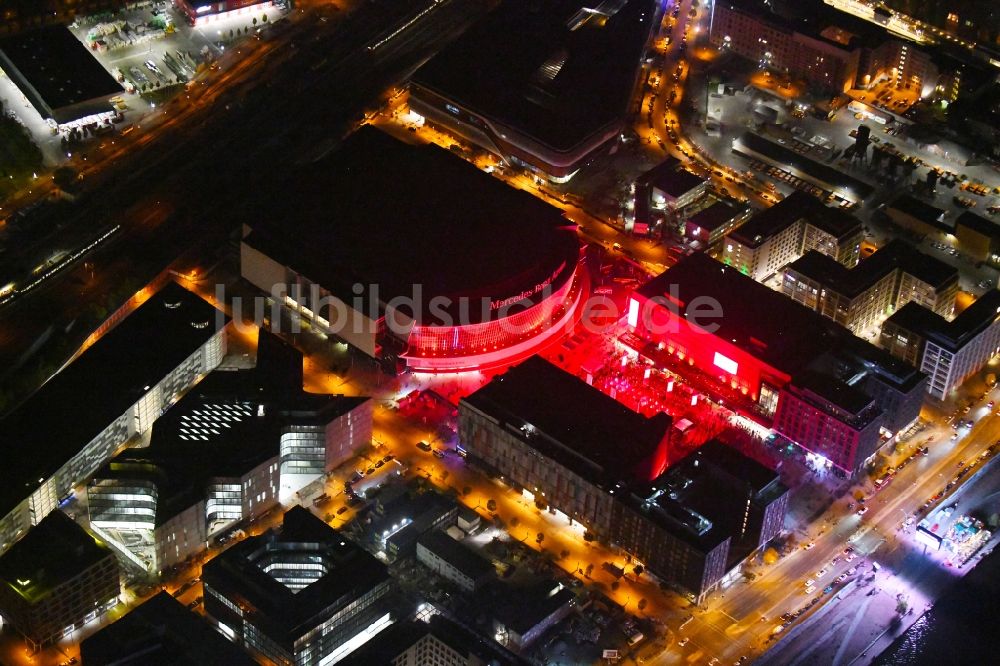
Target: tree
column 540, row 538
column 564, row 553
column 466, row 490
column 64, row 177
column 231, row 33
column 638, row 570
column 589, row 570
column 255, row 21
column 491, row 505
column 615, row 585
column 770, row 556
column 642, row 604
column 514, row 521
column 901, row 605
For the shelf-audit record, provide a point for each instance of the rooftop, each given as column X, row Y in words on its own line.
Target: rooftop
column 703, row 497
column 765, row 323
column 161, row 632
column 279, row 609
column 841, row 395
column 958, row 332
column 558, row 72
column 828, row 176
column 852, row 282
column 978, row 223
column 53, row 552
column 456, row 554
column 228, row 424
column 671, row 178
column 58, row 67
column 399, row 637
column 572, row 422
column 714, row 216
column 921, row 210
column 520, row 609
column 815, row 19
column 78, row 403
column 388, row 215
column 772, row 221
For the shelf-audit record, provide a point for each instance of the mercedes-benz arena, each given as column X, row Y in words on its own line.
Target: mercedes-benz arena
column 410, row 254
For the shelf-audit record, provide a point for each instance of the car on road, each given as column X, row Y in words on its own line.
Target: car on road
column 684, row 641
column 822, row 572
column 809, row 546
column 341, row 510
column 438, row 453
column 370, row 470
column 423, row 446
column 379, row 464
column 862, row 511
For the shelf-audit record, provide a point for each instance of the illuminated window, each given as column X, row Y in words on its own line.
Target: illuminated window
column 725, row 363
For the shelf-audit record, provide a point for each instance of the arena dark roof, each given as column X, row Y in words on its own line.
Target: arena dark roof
column 558, row 72
column 572, row 422
column 78, row 403
column 54, row 69
column 388, row 215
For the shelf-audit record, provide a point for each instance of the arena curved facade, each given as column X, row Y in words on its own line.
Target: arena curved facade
column 415, row 257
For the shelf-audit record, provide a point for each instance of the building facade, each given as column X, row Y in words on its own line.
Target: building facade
column 56, row 579
column 109, row 395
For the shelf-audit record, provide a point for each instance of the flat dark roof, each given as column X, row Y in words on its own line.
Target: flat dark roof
column 764, row 322
column 389, row 215
column 896, row 254
column 78, row 403
column 57, row 66
column 224, row 427
column 714, row 216
column 53, row 552
column 572, row 422
column 846, row 397
column 558, row 72
column 824, row 173
column 456, row 554
column 954, row 334
column 772, row 221
column 978, row 223
column 702, row 498
column 671, row 177
column 522, row 608
column 282, row 614
column 921, row 210
column 161, row 632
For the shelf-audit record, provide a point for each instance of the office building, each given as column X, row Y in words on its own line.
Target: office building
column 59, row 76
column 231, row 449
column 158, row 632
column 112, row 392
column 55, row 580
column 862, row 296
column 298, row 595
column 666, row 189
column 558, row 92
column 584, row 455
column 711, row 224
column 948, row 351
column 438, row 641
column 831, row 50
column 453, row 561
column 749, row 344
column 455, row 290
column 777, row 236
column 522, row 614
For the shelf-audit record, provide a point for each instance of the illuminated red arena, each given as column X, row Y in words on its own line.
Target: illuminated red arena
column 442, row 269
